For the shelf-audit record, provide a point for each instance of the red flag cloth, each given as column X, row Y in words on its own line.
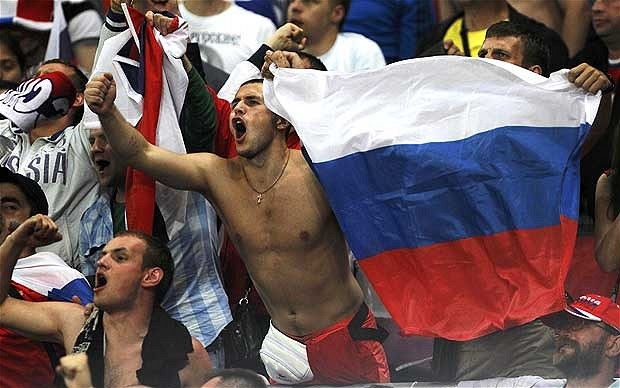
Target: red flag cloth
column 584, row 275
column 140, row 197
column 42, row 12
column 530, row 289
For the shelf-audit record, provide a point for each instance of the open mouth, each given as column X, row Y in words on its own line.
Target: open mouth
column 100, row 281
column 101, row 164
column 239, row 128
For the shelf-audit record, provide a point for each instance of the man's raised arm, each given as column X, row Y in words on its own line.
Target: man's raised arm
column 45, row 321
column 185, row 172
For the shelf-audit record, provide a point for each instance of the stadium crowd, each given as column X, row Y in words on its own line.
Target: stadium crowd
column 161, row 226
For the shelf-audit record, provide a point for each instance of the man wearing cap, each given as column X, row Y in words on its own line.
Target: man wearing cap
column 37, row 277
column 587, row 335
column 41, row 139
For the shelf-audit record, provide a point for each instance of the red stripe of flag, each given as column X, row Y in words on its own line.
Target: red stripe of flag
column 140, row 201
column 41, row 12
column 470, row 279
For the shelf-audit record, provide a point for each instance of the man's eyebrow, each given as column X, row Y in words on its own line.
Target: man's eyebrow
column 116, row 250
column 9, row 200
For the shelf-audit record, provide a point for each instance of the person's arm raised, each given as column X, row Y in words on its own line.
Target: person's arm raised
column 44, row 321
column 606, row 230
column 185, row 172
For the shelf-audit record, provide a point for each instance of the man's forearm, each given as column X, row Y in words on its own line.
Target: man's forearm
column 125, row 140
column 9, row 254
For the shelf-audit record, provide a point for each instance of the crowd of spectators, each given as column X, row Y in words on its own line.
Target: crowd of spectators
column 226, row 291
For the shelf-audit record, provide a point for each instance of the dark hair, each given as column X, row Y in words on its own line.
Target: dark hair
column 536, row 50
column 237, row 377
column 12, row 44
column 315, row 63
column 155, row 255
column 78, row 80
column 346, row 4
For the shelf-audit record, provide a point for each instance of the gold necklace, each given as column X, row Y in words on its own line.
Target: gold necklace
column 259, row 194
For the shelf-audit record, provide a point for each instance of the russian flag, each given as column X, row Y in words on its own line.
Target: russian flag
column 49, row 276
column 151, row 85
column 455, row 181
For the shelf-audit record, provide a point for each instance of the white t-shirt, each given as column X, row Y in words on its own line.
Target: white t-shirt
column 228, row 38
column 353, row 52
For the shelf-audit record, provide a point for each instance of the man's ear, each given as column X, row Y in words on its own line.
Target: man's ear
column 612, row 349
column 337, row 14
column 79, row 99
column 152, row 277
column 536, row 69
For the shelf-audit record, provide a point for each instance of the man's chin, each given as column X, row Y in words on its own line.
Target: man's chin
column 246, row 153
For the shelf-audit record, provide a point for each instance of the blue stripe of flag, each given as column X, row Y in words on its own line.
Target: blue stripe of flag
column 416, row 195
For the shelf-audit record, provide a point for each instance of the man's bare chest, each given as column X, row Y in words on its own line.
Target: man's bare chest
column 121, row 364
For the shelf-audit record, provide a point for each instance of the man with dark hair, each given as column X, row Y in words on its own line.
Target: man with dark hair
column 40, row 139
column 156, row 254
column 587, row 336
column 322, row 22
column 517, row 43
column 129, row 340
column 278, row 217
column 535, row 55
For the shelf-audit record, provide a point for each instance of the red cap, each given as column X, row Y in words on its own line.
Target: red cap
column 596, row 308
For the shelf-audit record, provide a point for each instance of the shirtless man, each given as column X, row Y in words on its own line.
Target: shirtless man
column 132, row 275
column 296, row 254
